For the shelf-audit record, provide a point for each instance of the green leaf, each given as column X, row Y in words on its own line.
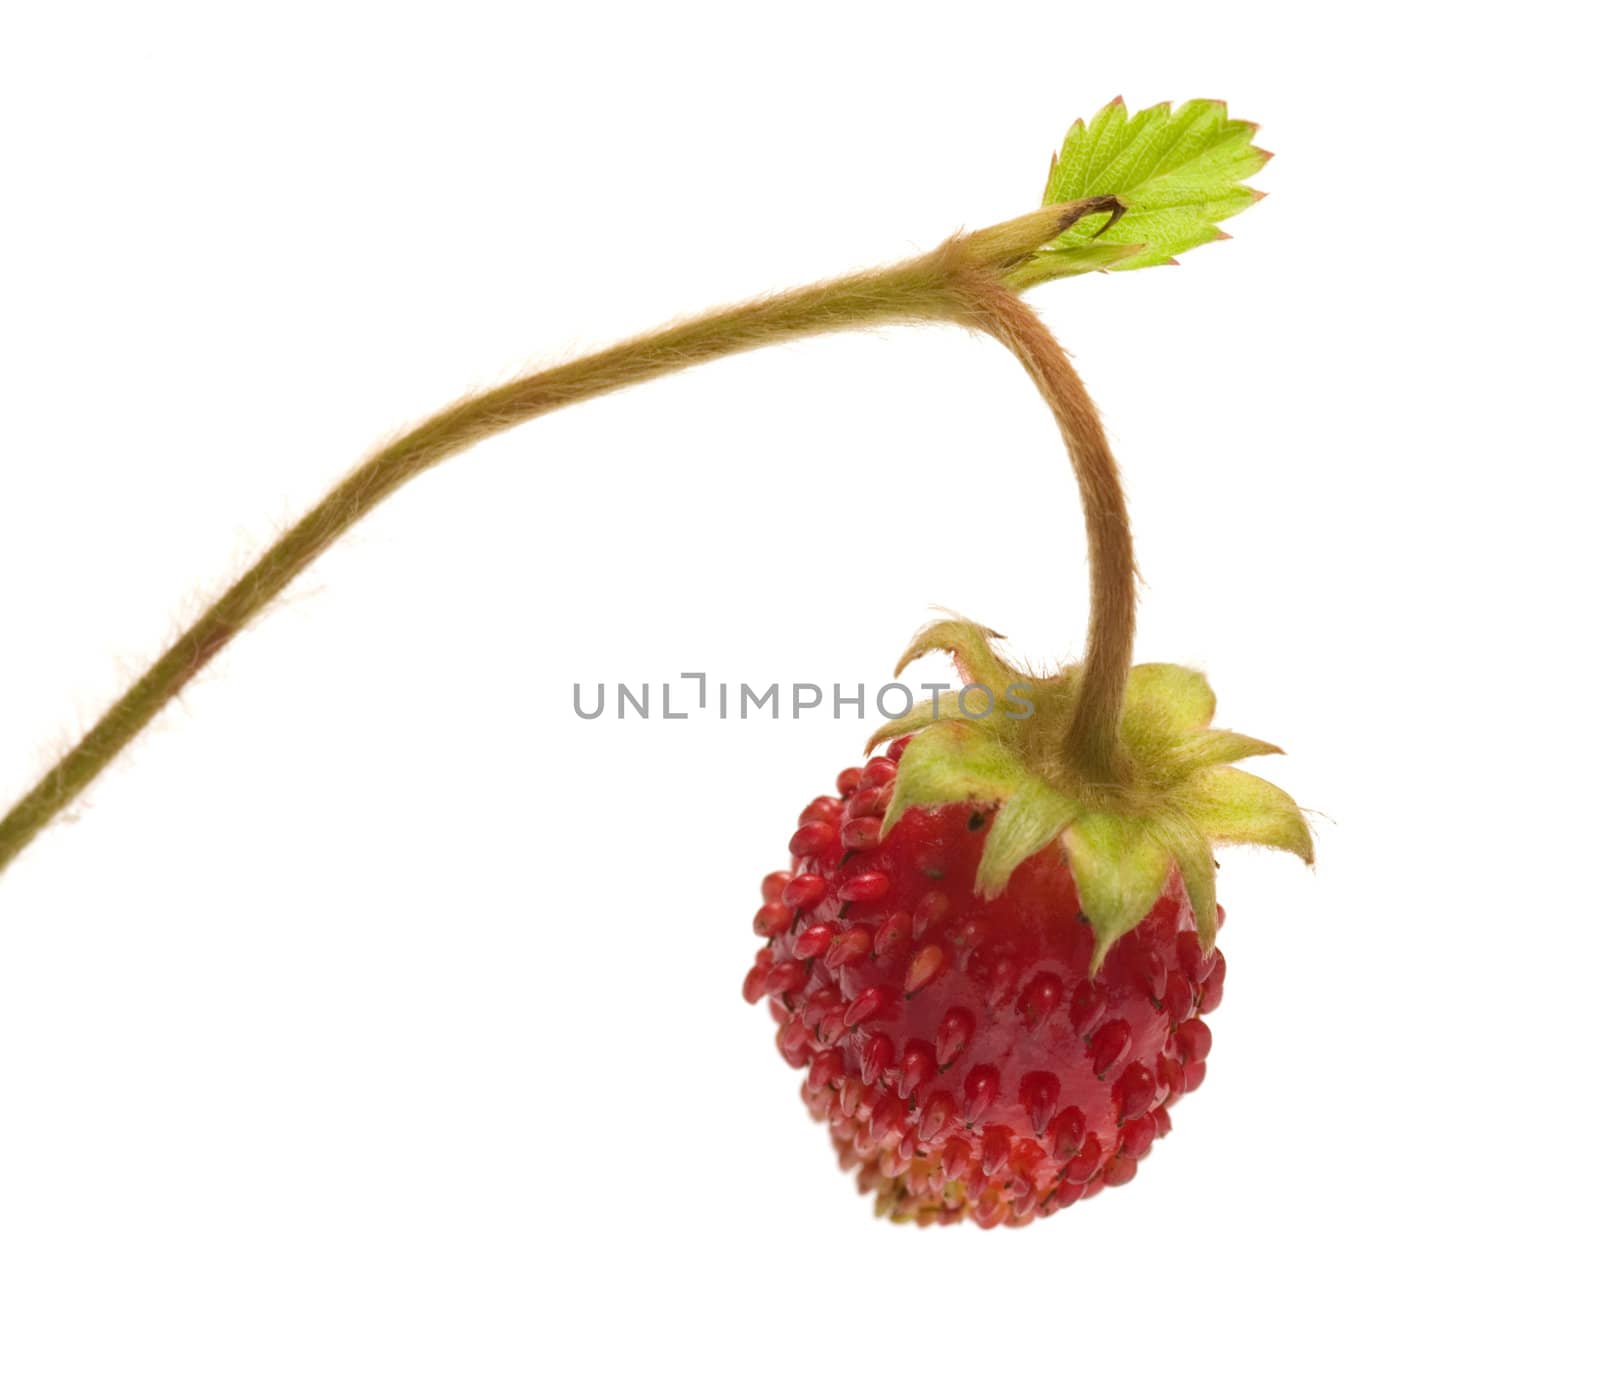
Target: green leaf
column 954, row 762
column 1028, row 821
column 1228, row 805
column 1177, row 172
column 1120, row 869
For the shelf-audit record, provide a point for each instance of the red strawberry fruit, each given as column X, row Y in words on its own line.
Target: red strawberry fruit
column 996, row 982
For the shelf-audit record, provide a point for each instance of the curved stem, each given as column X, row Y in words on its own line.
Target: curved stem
column 1094, row 745
column 938, row 286
column 914, row 290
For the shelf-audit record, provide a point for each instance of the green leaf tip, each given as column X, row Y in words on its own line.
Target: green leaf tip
column 1177, row 172
column 1126, row 844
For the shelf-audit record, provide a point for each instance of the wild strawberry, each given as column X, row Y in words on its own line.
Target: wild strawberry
column 999, row 974
column 992, row 950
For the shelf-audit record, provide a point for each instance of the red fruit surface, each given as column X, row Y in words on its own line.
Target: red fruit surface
column 957, row 1048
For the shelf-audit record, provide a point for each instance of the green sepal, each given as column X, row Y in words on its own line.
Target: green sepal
column 953, row 762
column 1198, row 868
column 1229, row 805
column 1204, row 748
column 1178, row 797
column 1120, row 868
column 924, row 713
column 1028, row 821
column 1165, row 699
column 969, row 645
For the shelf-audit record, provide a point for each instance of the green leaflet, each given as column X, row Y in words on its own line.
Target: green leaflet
column 1056, row 263
column 1177, row 172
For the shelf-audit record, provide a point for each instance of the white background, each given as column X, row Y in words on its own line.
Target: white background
column 376, row 1023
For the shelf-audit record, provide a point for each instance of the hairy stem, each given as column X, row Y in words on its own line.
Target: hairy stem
column 956, row 283
column 1094, row 746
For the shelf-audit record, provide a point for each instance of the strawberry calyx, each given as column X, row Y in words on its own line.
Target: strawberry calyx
column 1174, row 796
